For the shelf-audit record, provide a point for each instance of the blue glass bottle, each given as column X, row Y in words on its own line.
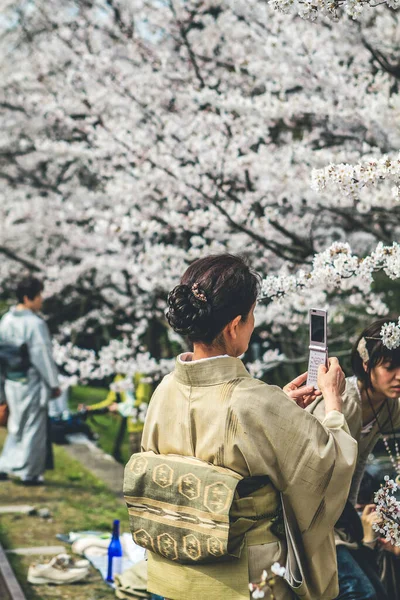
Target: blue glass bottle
column 114, row 554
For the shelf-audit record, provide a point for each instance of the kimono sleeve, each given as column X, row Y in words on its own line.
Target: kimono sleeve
column 351, row 408
column 293, row 447
column 40, row 354
column 311, row 463
column 108, row 400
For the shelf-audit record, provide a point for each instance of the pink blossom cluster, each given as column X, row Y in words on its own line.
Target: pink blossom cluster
column 353, row 180
column 334, row 9
column 265, row 588
column 388, row 509
column 391, row 334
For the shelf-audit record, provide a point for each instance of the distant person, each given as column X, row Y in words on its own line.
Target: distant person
column 27, row 448
column 132, row 406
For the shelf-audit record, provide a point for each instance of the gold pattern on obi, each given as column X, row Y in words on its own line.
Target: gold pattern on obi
column 139, row 465
column 192, row 546
column 189, row 486
column 167, row 546
column 215, row 546
column 217, row 497
column 144, row 539
column 163, row 475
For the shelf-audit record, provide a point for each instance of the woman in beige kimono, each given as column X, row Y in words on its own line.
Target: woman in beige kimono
column 211, row 408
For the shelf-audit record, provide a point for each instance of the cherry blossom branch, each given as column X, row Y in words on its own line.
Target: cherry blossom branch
column 388, row 509
column 351, row 179
column 382, row 60
column 334, row 267
column 25, row 262
column 312, row 9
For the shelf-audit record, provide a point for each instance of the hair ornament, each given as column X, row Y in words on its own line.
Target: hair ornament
column 390, row 337
column 390, row 334
column 198, row 293
column 363, row 350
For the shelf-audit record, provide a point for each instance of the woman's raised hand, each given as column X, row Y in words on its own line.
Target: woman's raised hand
column 331, row 382
column 302, row 394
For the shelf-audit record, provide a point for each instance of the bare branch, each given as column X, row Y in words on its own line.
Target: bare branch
column 23, row 261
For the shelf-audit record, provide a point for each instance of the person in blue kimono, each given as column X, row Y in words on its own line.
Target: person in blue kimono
column 27, row 447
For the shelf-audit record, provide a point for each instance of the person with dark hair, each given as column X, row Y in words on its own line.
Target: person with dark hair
column 210, row 408
column 371, row 405
column 27, row 450
column 30, row 288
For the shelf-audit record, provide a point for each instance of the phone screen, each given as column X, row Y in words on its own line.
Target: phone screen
column 318, row 329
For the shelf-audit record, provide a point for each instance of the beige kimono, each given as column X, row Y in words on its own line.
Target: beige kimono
column 214, row 410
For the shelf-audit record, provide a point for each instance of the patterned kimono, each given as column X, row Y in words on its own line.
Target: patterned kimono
column 27, row 394
column 214, row 410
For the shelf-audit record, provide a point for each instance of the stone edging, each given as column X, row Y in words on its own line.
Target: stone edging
column 8, row 583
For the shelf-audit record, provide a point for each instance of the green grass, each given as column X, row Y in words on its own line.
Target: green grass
column 77, row 501
column 106, row 426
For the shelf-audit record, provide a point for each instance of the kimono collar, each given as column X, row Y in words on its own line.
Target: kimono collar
column 16, row 312
column 209, row 371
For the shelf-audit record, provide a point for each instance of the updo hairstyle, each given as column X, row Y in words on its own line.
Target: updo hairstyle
column 213, row 291
column 377, row 351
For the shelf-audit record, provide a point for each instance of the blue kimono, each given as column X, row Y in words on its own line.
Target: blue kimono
column 28, row 394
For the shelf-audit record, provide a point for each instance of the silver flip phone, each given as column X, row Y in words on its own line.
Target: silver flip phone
column 318, row 344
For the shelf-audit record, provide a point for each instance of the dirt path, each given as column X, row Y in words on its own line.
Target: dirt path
column 77, row 500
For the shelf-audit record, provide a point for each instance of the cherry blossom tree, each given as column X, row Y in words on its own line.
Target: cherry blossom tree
column 141, row 135
column 313, row 9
